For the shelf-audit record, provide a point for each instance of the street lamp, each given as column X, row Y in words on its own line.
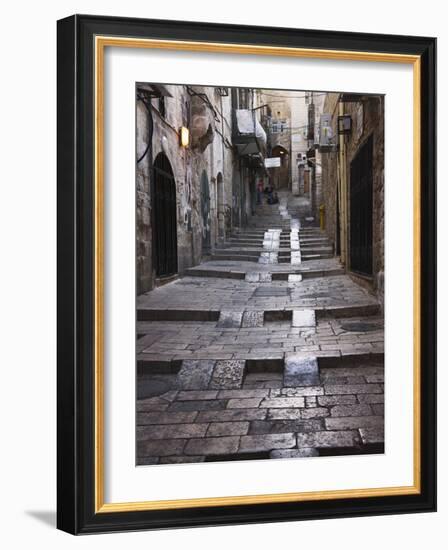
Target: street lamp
column 344, row 125
column 184, row 136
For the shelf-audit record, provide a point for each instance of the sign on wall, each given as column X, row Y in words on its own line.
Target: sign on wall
column 272, row 162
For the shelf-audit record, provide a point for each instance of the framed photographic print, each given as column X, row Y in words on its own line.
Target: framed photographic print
column 246, row 274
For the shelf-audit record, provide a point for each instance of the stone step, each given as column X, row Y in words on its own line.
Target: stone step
column 235, row 257
column 280, row 276
column 283, row 363
column 284, row 314
column 306, row 256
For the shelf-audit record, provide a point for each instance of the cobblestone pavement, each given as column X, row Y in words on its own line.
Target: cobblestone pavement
column 242, row 359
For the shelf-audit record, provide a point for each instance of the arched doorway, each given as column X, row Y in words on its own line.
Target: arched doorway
column 205, row 210
column 165, row 225
column 281, row 174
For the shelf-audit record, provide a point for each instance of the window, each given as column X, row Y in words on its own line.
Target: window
column 278, row 126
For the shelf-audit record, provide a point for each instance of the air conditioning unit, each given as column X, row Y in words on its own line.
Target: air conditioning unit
column 325, row 131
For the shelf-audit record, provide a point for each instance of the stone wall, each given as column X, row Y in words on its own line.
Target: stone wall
column 367, row 117
column 368, row 120
column 209, row 156
column 330, row 175
column 143, row 202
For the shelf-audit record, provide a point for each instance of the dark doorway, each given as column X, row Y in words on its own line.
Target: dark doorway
column 361, row 212
column 220, row 206
column 205, row 209
column 165, row 226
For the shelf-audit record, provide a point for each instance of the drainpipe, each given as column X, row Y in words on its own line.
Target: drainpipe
column 344, row 203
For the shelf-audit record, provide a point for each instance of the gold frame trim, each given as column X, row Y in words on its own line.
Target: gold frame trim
column 101, row 42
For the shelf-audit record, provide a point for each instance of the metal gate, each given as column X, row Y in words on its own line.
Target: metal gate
column 205, row 208
column 361, row 211
column 165, row 226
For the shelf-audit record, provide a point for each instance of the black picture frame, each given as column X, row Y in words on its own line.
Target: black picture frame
column 76, row 264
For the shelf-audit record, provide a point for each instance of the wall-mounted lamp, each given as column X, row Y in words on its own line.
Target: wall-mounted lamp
column 344, row 125
column 184, row 136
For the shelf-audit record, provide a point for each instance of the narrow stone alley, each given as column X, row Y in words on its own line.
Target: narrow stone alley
column 267, row 349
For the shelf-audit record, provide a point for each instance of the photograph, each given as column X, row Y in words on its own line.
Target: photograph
column 259, row 254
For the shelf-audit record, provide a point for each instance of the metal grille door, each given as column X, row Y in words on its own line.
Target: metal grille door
column 361, row 211
column 165, row 226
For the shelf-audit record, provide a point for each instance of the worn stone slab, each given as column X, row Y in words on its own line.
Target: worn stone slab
column 242, row 394
column 301, row 391
column 372, row 435
column 282, row 403
column 212, row 446
column 216, row 404
column 253, row 319
column 196, row 395
column 335, row 389
column 218, row 429
column 294, row 453
column 328, row 439
column 301, row 371
column 228, row 374
column 284, row 426
column 231, row 415
column 315, row 412
column 285, row 414
column 147, row 460
column 371, row 398
column 311, row 401
column 171, row 431
column 229, row 319
column 180, row 459
column 254, row 443
column 250, row 403
column 160, row 447
column 194, row 374
column 329, row 400
column 165, row 417
column 378, row 408
column 152, row 404
column 354, row 422
column 294, row 278
column 375, row 378
column 351, row 410
column 303, row 318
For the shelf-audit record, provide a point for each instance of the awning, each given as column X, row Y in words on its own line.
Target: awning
column 249, row 136
column 245, row 119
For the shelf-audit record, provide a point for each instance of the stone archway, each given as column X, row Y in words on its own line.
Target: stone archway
column 281, row 174
column 165, row 223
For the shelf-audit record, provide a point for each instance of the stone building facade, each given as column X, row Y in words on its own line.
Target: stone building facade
column 353, row 185
column 189, row 196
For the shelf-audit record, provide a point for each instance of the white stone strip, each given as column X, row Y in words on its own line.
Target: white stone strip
column 296, row 257
column 303, row 318
column 258, row 277
column 271, row 245
column 283, row 209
